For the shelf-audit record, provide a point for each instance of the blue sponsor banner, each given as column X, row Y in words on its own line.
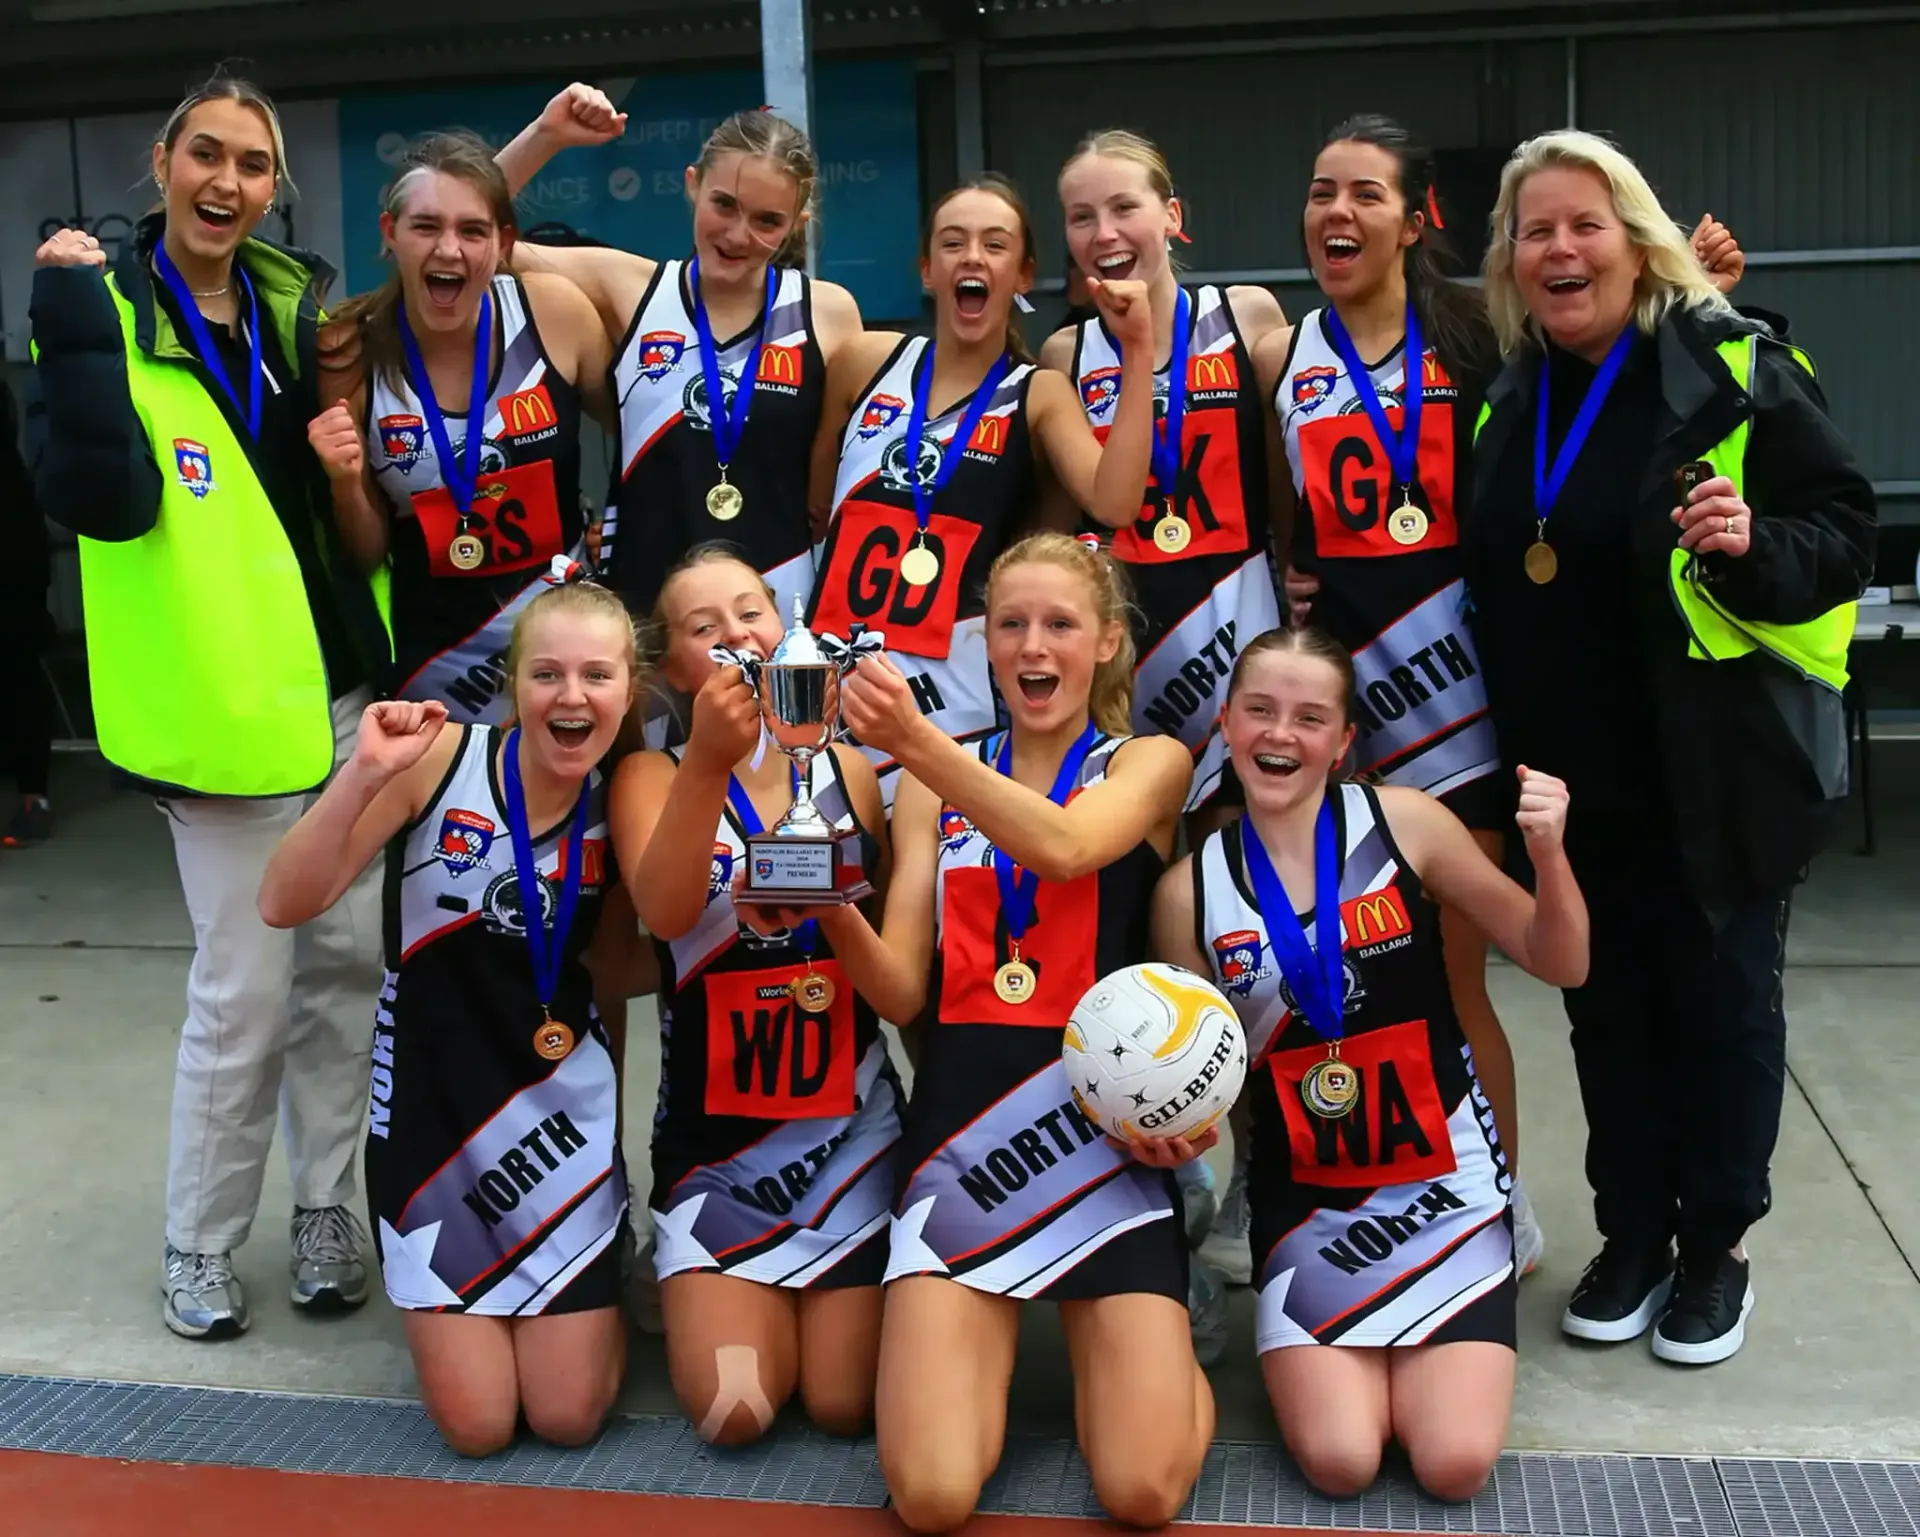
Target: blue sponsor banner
column 631, row 193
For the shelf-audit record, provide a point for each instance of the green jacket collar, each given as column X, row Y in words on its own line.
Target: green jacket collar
column 288, row 281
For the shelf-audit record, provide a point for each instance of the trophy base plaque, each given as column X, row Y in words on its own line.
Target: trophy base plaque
column 812, row 870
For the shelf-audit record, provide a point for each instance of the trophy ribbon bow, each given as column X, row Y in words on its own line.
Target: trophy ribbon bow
column 846, row 654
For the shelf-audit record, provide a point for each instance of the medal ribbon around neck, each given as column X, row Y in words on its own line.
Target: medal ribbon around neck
column 956, row 447
column 1166, row 434
column 461, row 474
column 203, row 336
column 728, row 421
column 1403, row 451
column 1017, row 893
column 547, row 948
column 1547, row 484
column 1315, row 973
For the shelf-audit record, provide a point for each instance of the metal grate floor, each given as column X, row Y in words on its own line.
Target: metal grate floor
column 1532, row 1494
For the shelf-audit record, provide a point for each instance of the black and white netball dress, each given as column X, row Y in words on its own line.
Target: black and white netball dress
column 1008, row 1188
column 1199, row 555
column 1381, row 466
column 494, row 1177
column 715, row 436
column 1377, row 1185
column 917, row 526
column 481, row 507
column 779, row 1109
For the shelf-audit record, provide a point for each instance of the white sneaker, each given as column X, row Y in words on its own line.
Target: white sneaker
column 1228, row 1248
column 1529, row 1243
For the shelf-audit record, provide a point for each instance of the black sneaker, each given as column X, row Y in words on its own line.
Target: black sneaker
column 1623, row 1290
column 1707, row 1321
column 31, row 824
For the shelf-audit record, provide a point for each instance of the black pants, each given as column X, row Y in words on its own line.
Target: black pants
column 26, row 705
column 1680, row 1041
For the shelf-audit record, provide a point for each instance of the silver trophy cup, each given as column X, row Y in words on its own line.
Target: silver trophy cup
column 803, row 859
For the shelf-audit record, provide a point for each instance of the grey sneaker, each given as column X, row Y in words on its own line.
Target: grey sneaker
column 328, row 1267
column 203, row 1296
column 1206, row 1311
column 1228, row 1248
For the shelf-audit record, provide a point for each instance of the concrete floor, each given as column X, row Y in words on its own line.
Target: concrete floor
column 94, row 947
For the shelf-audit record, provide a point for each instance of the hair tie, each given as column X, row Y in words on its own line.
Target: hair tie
column 1184, row 238
column 1092, row 542
column 566, row 572
column 1024, row 304
column 1433, row 210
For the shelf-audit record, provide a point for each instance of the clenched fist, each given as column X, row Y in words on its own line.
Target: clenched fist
column 395, row 734
column 70, row 248
column 726, row 719
column 336, row 440
column 582, row 115
column 1125, row 307
column 1543, row 809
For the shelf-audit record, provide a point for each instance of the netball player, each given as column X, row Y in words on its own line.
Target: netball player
column 1024, row 867
column 779, row 1108
column 1378, row 1184
column 466, row 383
column 1198, row 552
column 932, row 450
column 493, row 1166
column 720, row 361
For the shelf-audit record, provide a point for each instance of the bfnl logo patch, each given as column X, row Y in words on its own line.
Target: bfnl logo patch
column 1099, row 391
column 881, row 413
column 763, row 869
column 403, row 439
column 893, row 464
column 955, row 829
column 1313, row 387
column 721, row 876
column 660, row 353
column 1236, row 961
column 465, row 838
column 695, row 404
column 194, row 465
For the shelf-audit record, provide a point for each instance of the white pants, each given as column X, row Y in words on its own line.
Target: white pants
column 273, row 1016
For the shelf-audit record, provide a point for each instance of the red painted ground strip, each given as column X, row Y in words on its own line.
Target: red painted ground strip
column 58, row 1496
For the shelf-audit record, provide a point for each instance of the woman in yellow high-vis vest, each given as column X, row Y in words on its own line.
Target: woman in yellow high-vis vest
column 230, row 648
column 1667, row 540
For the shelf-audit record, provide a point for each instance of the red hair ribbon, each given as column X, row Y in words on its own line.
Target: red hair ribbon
column 1433, row 211
column 564, row 572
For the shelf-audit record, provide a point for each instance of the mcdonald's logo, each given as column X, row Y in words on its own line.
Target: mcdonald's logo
column 1432, row 375
column 1213, row 371
column 779, row 365
column 990, row 435
column 528, row 411
column 1376, row 916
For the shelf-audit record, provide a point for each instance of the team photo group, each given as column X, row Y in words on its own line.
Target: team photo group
column 1158, row 729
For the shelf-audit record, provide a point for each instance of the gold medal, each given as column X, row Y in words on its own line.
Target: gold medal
column 1014, row 981
column 552, row 1040
column 1542, row 564
column 812, row 992
column 1407, row 524
column 1172, row 534
column 1330, row 1088
column 724, row 501
column 919, row 566
column 466, row 551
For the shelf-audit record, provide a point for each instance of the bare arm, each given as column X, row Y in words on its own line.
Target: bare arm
column 576, row 340
column 1269, row 366
column 1172, row 920
column 1110, row 482
column 852, row 366
column 1545, row 933
column 1256, row 312
column 1056, row 352
column 836, row 318
column 889, row 969
column 402, row 753
column 1141, row 797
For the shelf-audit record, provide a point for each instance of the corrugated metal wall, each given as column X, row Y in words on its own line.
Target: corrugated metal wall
column 1801, row 139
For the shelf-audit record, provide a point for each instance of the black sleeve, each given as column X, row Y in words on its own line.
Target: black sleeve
column 93, row 468
column 1815, row 520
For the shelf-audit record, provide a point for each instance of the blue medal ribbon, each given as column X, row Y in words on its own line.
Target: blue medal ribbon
column 1316, row 974
column 956, row 447
column 547, row 947
column 1403, row 451
column 460, row 475
column 203, row 337
column 1166, row 439
column 1547, row 485
column 1017, row 893
column 728, row 422
column 737, row 797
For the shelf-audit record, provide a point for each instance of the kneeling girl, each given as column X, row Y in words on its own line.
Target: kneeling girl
column 1380, row 1195
column 494, row 1173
